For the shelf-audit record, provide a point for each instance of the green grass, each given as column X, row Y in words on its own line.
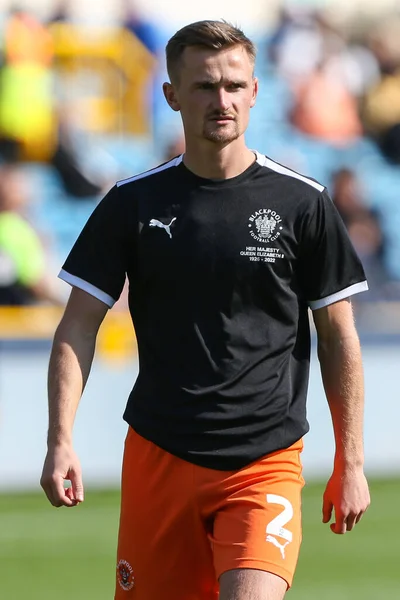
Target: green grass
column 49, row 554
column 363, row 564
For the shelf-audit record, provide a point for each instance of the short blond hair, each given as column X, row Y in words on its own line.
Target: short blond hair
column 215, row 35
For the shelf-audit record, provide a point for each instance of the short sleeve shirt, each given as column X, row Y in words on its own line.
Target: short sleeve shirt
column 221, row 275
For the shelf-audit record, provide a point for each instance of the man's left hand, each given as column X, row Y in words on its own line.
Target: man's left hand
column 347, row 494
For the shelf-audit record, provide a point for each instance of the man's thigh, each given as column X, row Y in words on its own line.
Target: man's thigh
column 250, row 584
column 258, row 526
column 163, row 549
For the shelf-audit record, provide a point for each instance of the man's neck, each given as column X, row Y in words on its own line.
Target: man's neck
column 215, row 162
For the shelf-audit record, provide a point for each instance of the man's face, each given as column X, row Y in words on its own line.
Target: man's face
column 214, row 92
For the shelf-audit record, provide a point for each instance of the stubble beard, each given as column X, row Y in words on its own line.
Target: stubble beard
column 221, row 134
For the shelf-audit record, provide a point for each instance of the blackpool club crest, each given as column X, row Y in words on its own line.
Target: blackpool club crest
column 265, row 225
column 125, row 575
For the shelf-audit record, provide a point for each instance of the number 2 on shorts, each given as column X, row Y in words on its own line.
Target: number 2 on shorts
column 277, row 525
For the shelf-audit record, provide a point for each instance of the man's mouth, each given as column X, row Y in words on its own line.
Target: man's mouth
column 222, row 118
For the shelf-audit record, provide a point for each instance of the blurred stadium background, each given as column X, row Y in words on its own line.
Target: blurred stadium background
column 80, row 107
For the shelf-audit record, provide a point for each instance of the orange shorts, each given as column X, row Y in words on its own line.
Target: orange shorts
column 182, row 525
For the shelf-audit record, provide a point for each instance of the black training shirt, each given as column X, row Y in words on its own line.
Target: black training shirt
column 221, row 274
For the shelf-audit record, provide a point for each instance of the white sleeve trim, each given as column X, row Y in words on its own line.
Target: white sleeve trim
column 87, row 287
column 171, row 163
column 349, row 291
column 264, row 161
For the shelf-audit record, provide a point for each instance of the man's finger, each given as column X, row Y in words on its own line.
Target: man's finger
column 339, row 526
column 77, row 485
column 58, row 496
column 50, row 489
column 69, row 493
column 326, row 511
column 351, row 521
column 359, row 517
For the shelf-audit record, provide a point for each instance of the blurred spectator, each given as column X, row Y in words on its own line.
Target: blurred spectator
column 364, row 227
column 26, row 39
column 324, row 108
column 23, row 268
column 346, row 56
column 65, row 159
column 31, row 127
column 313, row 56
column 296, row 46
column 26, row 98
column 381, row 106
column 149, row 34
column 146, row 31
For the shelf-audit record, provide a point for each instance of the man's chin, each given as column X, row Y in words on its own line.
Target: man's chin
column 221, row 136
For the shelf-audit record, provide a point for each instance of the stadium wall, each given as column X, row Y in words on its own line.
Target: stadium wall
column 100, row 431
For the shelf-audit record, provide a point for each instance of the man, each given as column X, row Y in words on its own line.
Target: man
column 24, row 275
column 224, row 250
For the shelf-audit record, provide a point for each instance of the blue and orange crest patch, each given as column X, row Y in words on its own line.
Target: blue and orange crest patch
column 125, row 575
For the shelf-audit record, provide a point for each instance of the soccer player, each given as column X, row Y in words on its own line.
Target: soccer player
column 225, row 250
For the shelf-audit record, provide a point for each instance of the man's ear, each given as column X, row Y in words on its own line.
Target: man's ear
column 255, row 92
column 170, row 96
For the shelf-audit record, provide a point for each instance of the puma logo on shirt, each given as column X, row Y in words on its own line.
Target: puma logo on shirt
column 156, row 223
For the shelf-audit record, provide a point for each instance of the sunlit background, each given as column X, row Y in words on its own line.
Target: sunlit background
column 81, row 106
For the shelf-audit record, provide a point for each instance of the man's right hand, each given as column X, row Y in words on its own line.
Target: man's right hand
column 62, row 464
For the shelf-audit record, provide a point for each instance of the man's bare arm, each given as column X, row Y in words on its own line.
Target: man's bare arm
column 70, row 363
column 340, row 359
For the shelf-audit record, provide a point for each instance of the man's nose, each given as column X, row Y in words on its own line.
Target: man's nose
column 223, row 99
